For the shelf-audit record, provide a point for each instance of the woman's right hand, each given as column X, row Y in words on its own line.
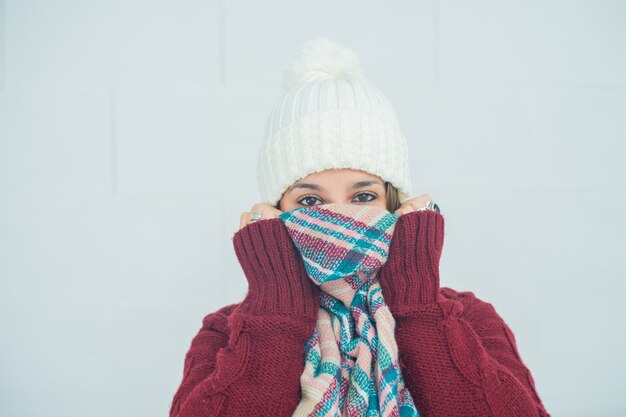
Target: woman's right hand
column 277, row 279
column 267, row 212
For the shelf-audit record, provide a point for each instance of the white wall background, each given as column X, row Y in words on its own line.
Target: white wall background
column 129, row 133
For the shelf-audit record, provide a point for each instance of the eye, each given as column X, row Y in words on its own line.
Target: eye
column 365, row 194
column 308, row 198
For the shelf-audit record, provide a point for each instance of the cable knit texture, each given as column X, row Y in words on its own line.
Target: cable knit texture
column 458, row 357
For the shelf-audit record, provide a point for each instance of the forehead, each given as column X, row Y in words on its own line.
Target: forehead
column 325, row 181
column 339, row 174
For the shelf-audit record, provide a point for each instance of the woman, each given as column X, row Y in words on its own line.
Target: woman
column 344, row 313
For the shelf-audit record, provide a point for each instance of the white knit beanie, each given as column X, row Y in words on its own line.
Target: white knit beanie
column 330, row 117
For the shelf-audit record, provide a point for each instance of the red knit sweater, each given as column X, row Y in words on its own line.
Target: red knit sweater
column 458, row 357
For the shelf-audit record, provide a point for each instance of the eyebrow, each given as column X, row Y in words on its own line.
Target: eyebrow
column 358, row 184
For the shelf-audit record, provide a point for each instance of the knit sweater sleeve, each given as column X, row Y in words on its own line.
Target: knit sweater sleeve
column 200, row 358
column 457, row 355
column 257, row 368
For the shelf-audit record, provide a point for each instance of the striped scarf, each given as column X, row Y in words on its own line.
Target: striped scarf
column 351, row 360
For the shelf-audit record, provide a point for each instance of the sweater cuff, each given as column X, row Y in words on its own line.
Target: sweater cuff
column 277, row 280
column 411, row 274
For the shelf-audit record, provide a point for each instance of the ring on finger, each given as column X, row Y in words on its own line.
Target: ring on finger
column 255, row 215
column 431, row 205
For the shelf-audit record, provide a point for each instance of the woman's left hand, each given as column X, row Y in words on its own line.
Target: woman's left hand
column 413, row 204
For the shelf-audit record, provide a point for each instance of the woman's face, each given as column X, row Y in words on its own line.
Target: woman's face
column 345, row 185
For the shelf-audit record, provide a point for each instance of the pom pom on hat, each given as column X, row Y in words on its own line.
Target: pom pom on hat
column 319, row 59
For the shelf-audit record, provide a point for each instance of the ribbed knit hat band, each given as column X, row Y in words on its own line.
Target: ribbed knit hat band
column 330, row 117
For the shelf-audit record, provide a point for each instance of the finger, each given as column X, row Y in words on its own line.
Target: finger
column 271, row 212
column 422, row 201
column 257, row 208
column 267, row 211
column 415, row 203
column 244, row 219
